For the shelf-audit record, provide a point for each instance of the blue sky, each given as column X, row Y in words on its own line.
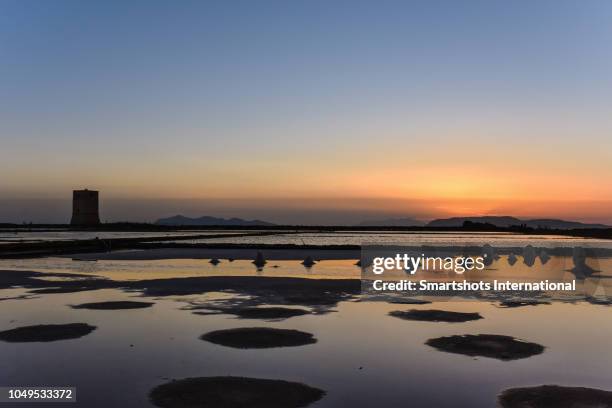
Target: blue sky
column 405, row 100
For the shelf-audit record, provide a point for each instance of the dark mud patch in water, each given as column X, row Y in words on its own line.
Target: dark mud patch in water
column 35, row 280
column 233, row 392
column 410, row 301
column 50, row 291
column 119, row 305
column 313, row 299
column 521, row 303
column 259, row 337
column 555, row 396
column 285, row 290
column 324, row 293
column 21, row 297
column 46, row 332
column 487, row 345
column 435, row 316
column 266, row 313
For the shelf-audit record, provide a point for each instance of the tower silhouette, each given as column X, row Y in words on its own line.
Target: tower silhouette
column 85, row 208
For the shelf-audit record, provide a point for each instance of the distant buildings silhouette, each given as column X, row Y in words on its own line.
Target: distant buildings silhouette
column 85, row 208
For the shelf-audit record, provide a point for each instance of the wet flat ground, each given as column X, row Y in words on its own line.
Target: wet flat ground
column 362, row 357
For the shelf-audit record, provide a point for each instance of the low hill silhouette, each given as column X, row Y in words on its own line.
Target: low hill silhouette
column 181, row 220
column 507, row 221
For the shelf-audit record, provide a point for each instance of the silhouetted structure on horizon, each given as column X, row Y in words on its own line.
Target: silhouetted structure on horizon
column 85, row 208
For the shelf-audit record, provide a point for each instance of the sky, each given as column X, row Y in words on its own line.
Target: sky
column 306, row 111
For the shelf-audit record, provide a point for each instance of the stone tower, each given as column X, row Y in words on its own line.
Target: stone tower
column 85, row 208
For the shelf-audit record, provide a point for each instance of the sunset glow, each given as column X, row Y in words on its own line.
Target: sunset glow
column 488, row 114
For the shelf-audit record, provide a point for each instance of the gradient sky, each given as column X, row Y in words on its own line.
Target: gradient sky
column 306, row 111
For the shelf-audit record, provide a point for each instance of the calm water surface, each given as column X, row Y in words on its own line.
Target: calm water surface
column 411, row 239
column 12, row 236
column 398, row 369
column 363, row 357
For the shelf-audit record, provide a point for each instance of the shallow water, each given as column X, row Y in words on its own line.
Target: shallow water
column 172, row 268
column 556, row 269
column 410, row 239
column 397, row 368
column 11, row 236
column 363, row 357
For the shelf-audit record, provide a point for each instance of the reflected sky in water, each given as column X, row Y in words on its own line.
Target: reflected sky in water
column 410, row 238
column 363, row 357
column 398, row 369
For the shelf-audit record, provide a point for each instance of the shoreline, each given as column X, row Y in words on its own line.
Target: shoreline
column 237, row 253
column 96, row 250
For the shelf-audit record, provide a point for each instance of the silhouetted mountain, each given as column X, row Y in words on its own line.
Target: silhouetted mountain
column 392, row 222
column 179, row 220
column 504, row 221
column 507, row 221
column 561, row 224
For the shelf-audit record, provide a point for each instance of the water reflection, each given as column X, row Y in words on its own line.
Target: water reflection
column 396, row 364
column 529, row 255
column 363, row 357
column 512, row 259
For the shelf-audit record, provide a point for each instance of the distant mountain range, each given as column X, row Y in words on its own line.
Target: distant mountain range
column 180, row 220
column 507, row 221
column 498, row 221
column 392, row 222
